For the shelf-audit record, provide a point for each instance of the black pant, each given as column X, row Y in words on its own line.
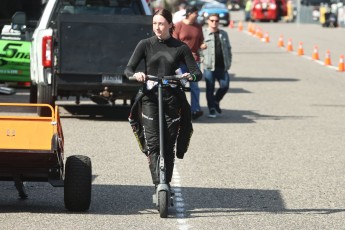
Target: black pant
column 172, row 115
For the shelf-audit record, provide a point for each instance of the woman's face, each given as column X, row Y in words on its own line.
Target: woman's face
column 161, row 27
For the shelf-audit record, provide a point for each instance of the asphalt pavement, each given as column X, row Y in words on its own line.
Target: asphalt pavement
column 273, row 160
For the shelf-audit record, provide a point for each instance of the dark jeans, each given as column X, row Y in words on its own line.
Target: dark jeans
column 222, row 76
column 194, row 91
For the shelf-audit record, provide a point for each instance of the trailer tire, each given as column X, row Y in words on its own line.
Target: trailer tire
column 45, row 96
column 77, row 186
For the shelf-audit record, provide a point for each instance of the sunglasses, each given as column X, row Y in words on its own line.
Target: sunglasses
column 214, row 20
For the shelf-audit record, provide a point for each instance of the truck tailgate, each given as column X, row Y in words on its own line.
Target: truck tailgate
column 98, row 44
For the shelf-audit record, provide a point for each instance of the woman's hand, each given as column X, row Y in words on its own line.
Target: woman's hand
column 203, row 46
column 188, row 76
column 140, row 76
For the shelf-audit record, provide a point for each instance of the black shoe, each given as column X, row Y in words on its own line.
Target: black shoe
column 197, row 114
column 218, row 108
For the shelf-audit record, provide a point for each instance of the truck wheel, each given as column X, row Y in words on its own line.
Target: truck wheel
column 45, row 96
column 78, row 177
column 33, row 93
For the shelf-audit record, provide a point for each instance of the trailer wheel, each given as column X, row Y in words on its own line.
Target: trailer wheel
column 45, row 96
column 78, row 177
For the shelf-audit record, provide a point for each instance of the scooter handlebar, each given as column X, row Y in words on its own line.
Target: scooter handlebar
column 156, row 78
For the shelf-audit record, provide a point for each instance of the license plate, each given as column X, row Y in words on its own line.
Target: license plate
column 113, row 79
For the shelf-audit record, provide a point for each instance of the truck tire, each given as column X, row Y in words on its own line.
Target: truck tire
column 45, row 96
column 77, row 186
column 33, row 93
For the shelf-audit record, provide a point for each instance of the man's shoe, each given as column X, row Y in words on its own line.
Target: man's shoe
column 218, row 108
column 212, row 114
column 197, row 114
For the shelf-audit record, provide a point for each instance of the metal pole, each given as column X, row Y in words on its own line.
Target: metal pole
column 161, row 134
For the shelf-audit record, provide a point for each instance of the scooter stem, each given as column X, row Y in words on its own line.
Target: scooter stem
column 162, row 177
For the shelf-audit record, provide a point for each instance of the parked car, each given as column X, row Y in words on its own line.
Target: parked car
column 315, row 2
column 234, row 5
column 199, row 3
column 18, row 19
column 268, row 10
column 212, row 8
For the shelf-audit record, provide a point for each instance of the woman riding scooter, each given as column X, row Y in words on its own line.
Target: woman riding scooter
column 162, row 55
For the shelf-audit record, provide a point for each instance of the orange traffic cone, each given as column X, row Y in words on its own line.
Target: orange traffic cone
column 281, row 41
column 328, row 58
column 289, row 45
column 315, row 53
column 341, row 65
column 231, row 25
column 252, row 29
column 240, row 26
column 258, row 33
column 300, row 49
column 249, row 27
column 266, row 38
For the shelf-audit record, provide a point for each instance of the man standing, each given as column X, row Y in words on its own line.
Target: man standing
column 247, row 10
column 190, row 32
column 217, row 61
column 180, row 14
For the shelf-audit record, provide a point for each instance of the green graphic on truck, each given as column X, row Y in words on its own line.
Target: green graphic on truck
column 18, row 20
column 14, row 60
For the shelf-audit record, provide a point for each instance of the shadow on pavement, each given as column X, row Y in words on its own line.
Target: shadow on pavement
column 262, row 79
column 243, row 116
column 121, row 113
column 134, row 200
column 231, row 90
column 95, row 112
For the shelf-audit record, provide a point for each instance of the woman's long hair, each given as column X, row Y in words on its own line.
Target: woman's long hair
column 168, row 16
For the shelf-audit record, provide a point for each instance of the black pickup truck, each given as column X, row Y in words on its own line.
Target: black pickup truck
column 81, row 47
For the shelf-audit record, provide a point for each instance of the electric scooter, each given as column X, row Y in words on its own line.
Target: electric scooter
column 163, row 198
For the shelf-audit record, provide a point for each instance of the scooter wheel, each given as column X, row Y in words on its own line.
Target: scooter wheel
column 163, row 204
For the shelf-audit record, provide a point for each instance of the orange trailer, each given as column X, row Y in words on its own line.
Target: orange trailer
column 31, row 149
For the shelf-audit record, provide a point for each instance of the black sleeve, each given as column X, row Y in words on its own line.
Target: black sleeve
column 137, row 56
column 191, row 64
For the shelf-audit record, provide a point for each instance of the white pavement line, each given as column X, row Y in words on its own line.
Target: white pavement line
column 179, row 201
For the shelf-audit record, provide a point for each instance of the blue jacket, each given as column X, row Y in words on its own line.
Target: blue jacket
column 209, row 53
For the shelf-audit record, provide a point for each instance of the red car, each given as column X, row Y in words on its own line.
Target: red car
column 268, row 10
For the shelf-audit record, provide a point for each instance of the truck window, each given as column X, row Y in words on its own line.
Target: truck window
column 32, row 8
column 105, row 7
